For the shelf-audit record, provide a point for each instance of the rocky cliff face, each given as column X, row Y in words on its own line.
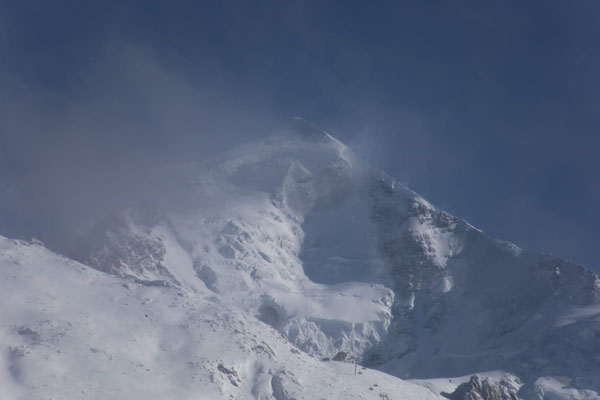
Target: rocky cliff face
column 479, row 388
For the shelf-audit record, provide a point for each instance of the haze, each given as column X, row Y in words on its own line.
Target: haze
column 488, row 110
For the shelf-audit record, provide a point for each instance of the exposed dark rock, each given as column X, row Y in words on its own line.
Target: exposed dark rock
column 483, row 389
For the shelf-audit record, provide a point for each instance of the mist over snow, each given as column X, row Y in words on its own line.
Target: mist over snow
column 299, row 200
column 290, row 268
column 488, row 110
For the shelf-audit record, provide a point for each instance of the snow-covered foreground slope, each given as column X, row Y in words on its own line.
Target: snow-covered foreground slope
column 70, row 332
column 313, row 249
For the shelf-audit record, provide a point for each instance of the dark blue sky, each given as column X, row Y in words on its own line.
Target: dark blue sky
column 489, row 109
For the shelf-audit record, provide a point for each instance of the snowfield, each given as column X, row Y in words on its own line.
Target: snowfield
column 71, row 332
column 237, row 277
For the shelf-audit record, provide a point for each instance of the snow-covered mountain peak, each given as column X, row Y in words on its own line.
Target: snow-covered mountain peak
column 337, row 256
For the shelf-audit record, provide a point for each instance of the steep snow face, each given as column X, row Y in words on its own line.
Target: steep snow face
column 238, row 225
column 338, row 256
column 70, row 332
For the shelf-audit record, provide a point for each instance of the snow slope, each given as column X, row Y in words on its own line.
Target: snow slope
column 70, row 332
column 300, row 239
